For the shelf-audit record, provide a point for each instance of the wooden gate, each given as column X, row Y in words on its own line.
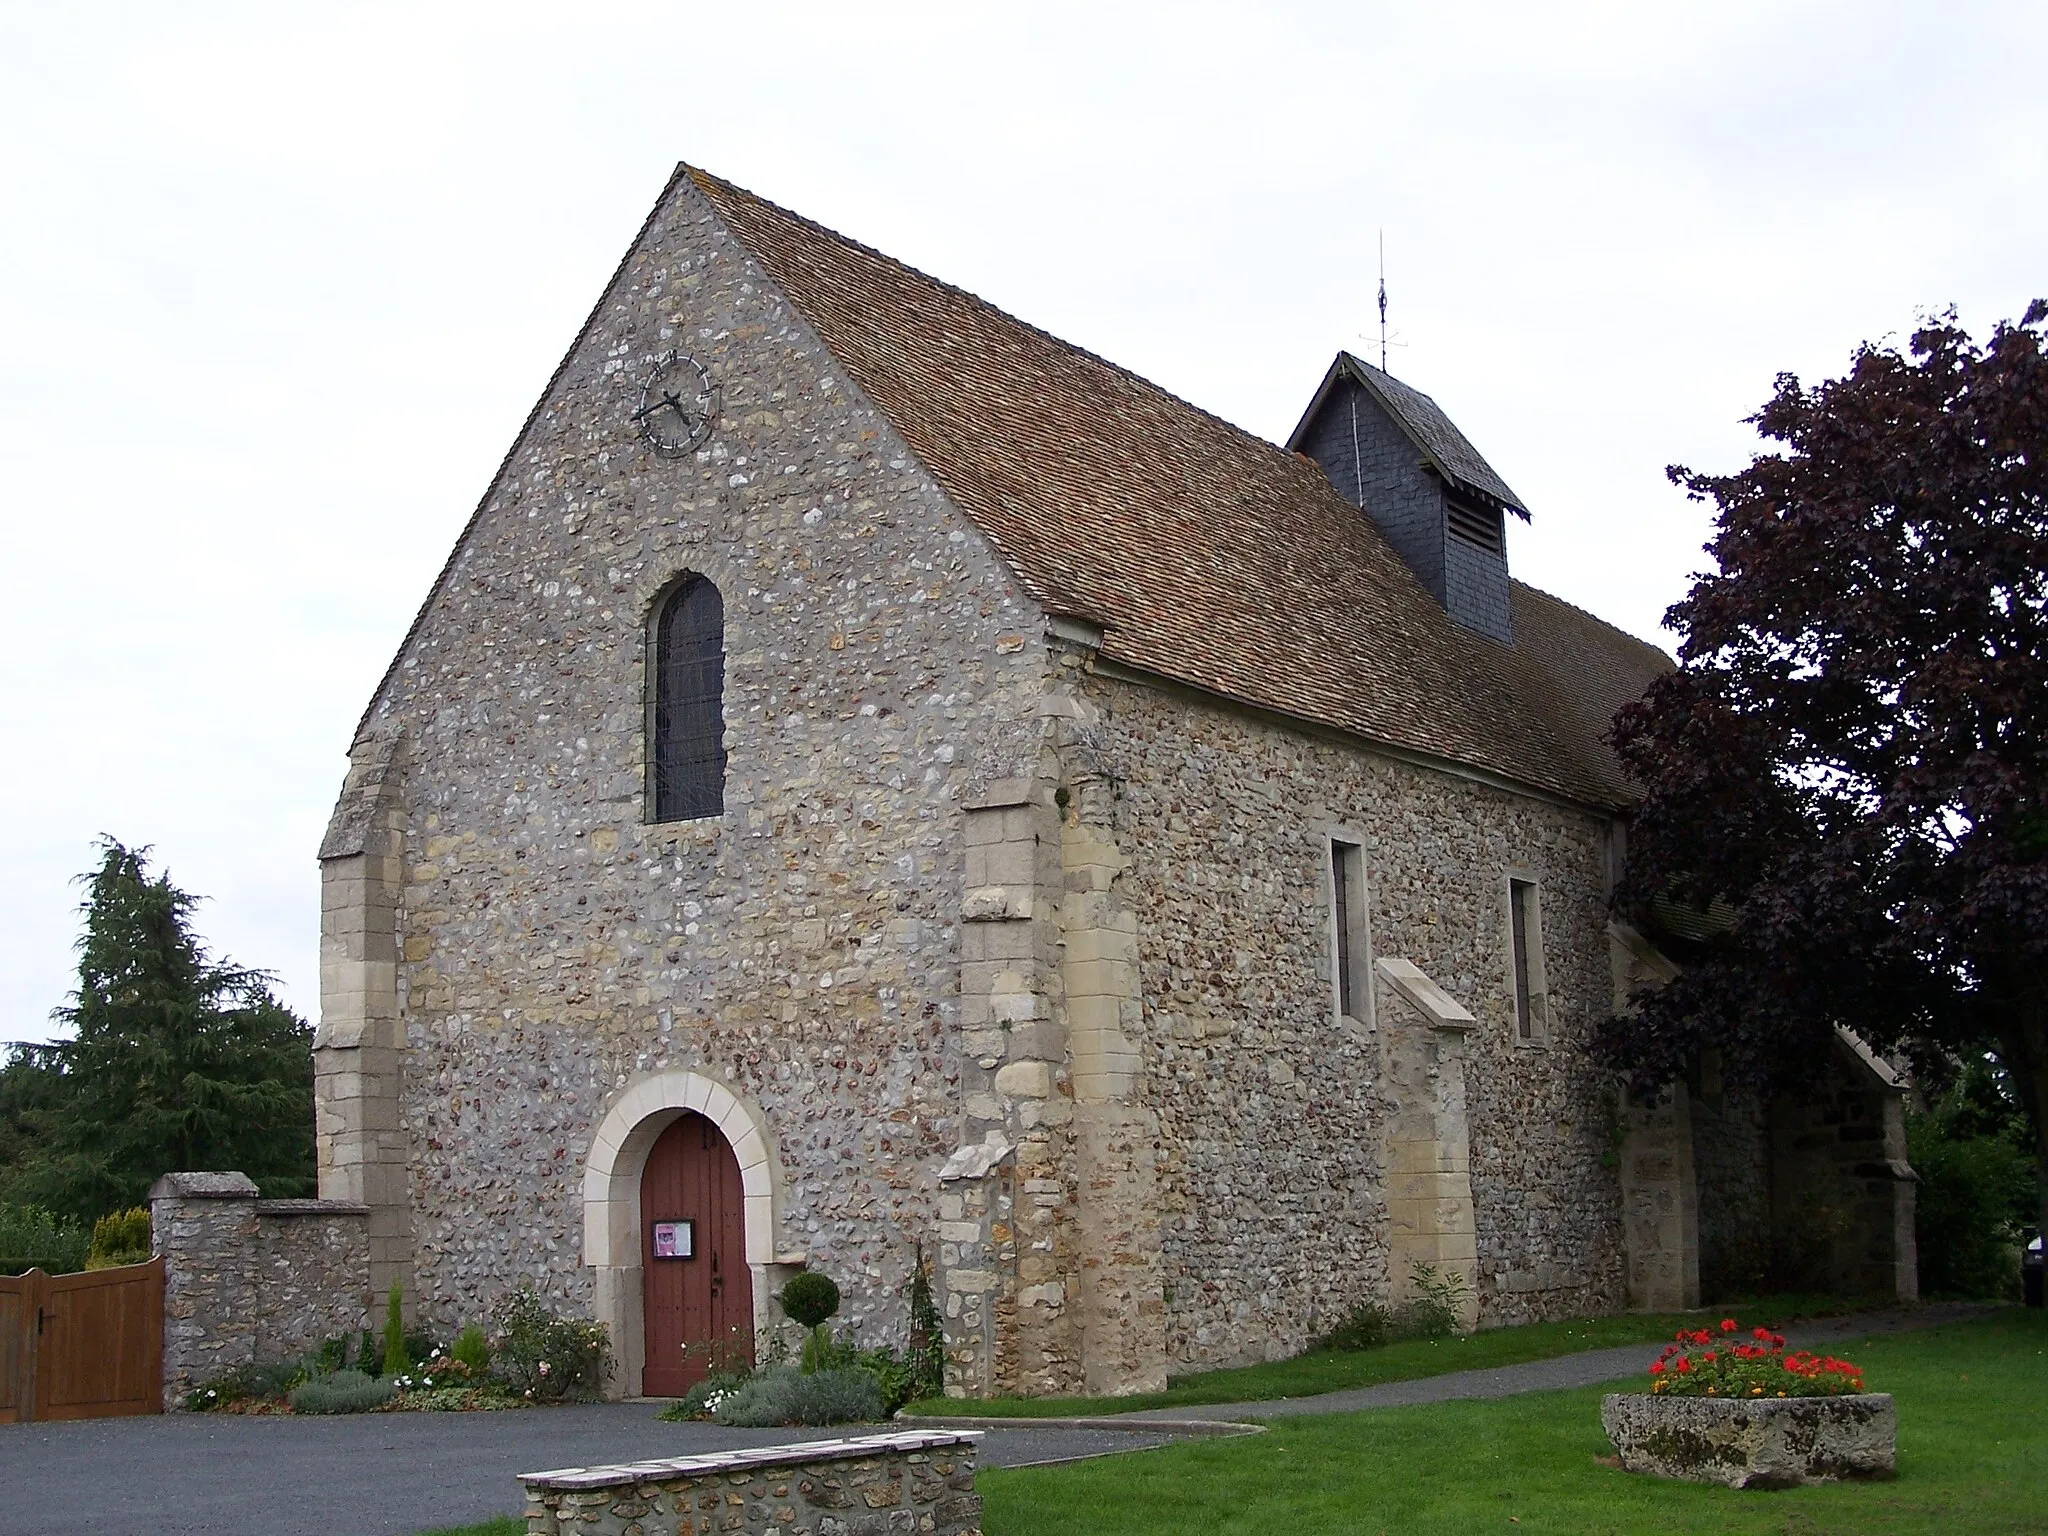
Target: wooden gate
column 699, row 1293
column 85, row 1346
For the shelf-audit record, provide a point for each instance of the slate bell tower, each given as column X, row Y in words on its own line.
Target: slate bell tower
column 1392, row 452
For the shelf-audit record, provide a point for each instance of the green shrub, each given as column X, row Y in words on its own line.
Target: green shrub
column 122, row 1238
column 808, row 1298
column 924, row 1360
column 33, row 1238
column 1965, row 1207
column 343, row 1392
column 780, row 1395
column 702, row 1400
column 1439, row 1304
column 542, row 1356
column 254, row 1383
column 1435, row 1313
column 397, row 1359
column 369, row 1356
column 1366, row 1326
column 472, row 1349
column 1973, row 1151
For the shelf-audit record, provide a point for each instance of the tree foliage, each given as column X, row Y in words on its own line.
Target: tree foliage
column 1850, row 758
column 175, row 1062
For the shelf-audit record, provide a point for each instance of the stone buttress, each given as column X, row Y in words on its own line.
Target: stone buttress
column 359, row 1049
column 1050, row 1255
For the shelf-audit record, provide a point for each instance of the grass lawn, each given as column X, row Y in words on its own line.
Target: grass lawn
column 1338, row 1370
column 1973, row 1458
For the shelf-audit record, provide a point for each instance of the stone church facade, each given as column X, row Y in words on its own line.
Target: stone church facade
column 1154, row 877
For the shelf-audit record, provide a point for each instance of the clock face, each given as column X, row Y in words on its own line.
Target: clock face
column 677, row 405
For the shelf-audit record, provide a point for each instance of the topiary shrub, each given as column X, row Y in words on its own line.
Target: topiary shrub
column 342, row 1392
column 782, row 1395
column 397, row 1358
column 808, row 1298
column 122, row 1238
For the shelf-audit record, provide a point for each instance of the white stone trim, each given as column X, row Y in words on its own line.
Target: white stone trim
column 625, row 1134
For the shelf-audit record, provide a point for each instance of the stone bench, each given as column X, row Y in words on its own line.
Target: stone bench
column 919, row 1481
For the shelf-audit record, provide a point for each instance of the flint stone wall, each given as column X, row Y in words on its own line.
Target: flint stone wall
column 250, row 1281
column 1731, row 1149
column 803, row 948
column 1271, row 1107
column 878, row 1485
column 1754, row 1442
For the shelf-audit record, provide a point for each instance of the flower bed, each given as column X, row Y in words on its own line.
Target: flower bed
column 1741, row 1411
column 535, row 1357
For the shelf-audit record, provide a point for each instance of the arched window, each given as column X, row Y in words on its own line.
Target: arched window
column 689, row 723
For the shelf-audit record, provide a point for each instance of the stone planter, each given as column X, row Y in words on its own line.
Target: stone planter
column 1758, row 1442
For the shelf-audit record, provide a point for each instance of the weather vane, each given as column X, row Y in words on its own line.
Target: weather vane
column 1383, row 301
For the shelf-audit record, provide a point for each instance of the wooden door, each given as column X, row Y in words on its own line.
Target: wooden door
column 700, row 1308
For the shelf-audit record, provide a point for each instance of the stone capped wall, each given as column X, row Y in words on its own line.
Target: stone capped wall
column 803, row 948
column 910, row 1481
column 1270, row 1107
column 250, row 1281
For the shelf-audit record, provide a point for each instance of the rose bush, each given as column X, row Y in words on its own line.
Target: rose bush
column 1702, row 1363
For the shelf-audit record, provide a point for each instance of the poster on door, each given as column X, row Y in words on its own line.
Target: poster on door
column 675, row 1239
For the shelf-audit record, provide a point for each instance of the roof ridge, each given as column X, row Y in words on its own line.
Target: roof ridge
column 700, row 176
column 1629, row 635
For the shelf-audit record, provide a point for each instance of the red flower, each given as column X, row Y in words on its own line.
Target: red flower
column 1727, row 1325
column 1657, row 1369
column 1684, row 1365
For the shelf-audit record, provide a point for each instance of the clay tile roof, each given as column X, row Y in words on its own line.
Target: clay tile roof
column 1207, row 555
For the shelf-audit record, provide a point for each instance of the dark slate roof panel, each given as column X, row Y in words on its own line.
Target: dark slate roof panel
column 1435, row 433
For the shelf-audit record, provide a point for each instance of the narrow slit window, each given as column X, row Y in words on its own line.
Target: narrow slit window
column 688, row 760
column 1526, row 938
column 1347, row 895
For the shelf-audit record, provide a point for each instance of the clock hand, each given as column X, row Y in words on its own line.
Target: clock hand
column 672, row 402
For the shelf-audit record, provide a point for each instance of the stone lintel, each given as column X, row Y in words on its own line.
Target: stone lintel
column 1430, row 1000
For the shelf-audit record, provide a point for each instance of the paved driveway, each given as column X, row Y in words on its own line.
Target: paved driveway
column 376, row 1474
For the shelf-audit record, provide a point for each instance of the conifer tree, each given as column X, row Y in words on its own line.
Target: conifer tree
column 176, row 1062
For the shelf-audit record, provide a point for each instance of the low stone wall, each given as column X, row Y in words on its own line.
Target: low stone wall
column 911, row 1481
column 250, row 1281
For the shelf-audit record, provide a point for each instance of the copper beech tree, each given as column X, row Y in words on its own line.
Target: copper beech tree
column 1847, row 768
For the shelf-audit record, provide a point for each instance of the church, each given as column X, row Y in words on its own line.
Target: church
column 877, row 787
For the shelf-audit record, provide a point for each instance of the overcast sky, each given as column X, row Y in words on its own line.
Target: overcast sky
column 278, row 283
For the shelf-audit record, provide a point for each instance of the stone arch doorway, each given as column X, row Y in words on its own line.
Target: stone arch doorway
column 697, row 1296
column 617, row 1238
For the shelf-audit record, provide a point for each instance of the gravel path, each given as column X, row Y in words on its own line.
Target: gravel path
column 1582, row 1370
column 376, row 1474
